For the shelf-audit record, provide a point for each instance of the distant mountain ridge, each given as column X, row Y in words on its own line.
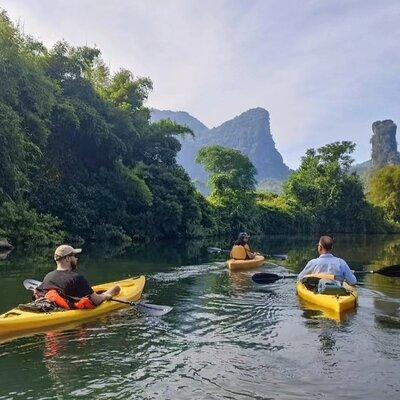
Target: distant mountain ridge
column 180, row 117
column 249, row 132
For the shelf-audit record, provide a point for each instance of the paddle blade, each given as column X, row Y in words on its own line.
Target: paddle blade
column 217, row 250
column 281, row 257
column 263, row 278
column 392, row 270
column 31, row 284
column 153, row 309
column 214, row 250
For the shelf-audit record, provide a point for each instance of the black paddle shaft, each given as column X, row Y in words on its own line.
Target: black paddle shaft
column 264, row 278
column 280, row 257
column 130, row 303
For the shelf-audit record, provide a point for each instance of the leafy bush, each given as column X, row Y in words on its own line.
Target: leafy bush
column 21, row 224
column 384, row 191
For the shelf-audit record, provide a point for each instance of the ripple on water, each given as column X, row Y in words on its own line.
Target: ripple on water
column 188, row 271
column 226, row 338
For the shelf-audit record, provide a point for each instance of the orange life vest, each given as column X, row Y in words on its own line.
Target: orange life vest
column 55, row 297
column 239, row 252
column 81, row 304
column 84, row 303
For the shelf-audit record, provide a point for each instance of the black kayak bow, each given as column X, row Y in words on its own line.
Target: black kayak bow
column 263, row 278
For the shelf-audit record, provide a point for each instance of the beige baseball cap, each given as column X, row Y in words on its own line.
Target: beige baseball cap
column 65, row 250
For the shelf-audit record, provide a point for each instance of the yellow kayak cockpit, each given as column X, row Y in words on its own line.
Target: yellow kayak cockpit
column 306, row 290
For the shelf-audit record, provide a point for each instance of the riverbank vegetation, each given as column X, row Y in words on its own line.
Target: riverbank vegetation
column 80, row 160
column 384, row 192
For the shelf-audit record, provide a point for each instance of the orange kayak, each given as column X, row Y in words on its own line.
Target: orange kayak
column 234, row 265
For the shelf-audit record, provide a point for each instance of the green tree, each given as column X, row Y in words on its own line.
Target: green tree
column 229, row 170
column 232, row 183
column 325, row 191
column 79, row 155
column 22, row 224
column 384, row 191
column 78, row 150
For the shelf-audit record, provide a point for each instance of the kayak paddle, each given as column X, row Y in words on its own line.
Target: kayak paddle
column 150, row 309
column 391, row 270
column 264, row 278
column 212, row 250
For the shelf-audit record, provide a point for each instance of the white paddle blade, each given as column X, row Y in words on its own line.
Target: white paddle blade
column 31, row 284
column 153, row 309
column 214, row 250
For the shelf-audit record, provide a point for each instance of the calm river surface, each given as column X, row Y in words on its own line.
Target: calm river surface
column 226, row 338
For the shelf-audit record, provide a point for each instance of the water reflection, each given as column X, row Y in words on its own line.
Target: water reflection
column 241, row 281
column 56, row 348
column 311, row 311
column 387, row 312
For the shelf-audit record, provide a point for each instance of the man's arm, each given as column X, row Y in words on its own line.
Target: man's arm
column 349, row 277
column 249, row 253
column 82, row 288
column 307, row 270
column 98, row 298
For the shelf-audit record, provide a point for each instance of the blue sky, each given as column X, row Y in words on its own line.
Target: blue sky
column 325, row 70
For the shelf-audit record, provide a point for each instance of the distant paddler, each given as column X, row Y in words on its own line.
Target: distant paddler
column 241, row 248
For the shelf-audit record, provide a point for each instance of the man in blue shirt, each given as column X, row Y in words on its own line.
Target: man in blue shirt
column 327, row 263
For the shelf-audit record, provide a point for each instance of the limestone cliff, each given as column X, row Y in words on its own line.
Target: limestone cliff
column 249, row 132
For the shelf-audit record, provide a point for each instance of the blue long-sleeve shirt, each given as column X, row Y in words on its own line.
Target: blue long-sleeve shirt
column 329, row 264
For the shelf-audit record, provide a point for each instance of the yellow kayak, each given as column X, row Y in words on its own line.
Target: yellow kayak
column 335, row 303
column 16, row 321
column 234, row 265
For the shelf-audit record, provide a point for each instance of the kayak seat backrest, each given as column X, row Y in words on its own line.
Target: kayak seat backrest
column 311, row 282
column 331, row 287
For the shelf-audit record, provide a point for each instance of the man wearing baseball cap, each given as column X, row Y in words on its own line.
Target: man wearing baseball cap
column 66, row 287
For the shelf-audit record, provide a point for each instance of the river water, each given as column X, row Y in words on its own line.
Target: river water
column 226, row 337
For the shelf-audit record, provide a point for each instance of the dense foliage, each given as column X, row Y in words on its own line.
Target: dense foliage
column 80, row 159
column 78, row 153
column 384, row 191
column 232, row 183
column 333, row 199
column 230, row 170
column 321, row 196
